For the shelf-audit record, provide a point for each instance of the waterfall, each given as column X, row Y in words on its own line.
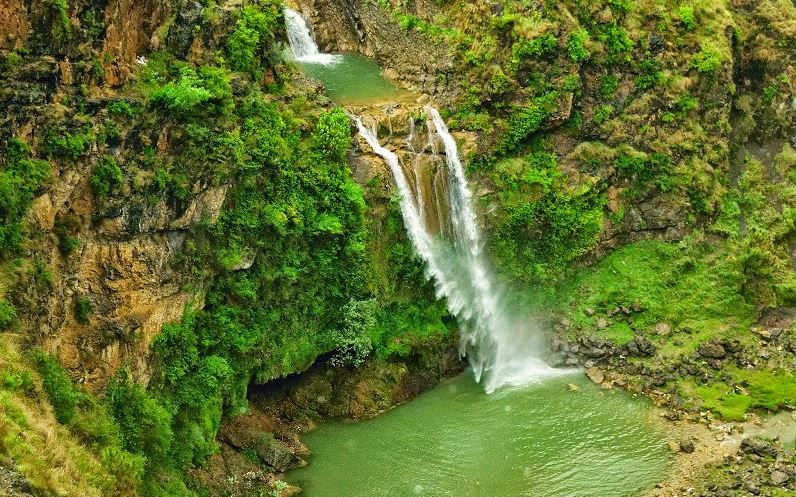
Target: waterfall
column 502, row 349
column 302, row 43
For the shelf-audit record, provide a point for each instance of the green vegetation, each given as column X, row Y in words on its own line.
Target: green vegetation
column 7, row 314
column 544, row 226
column 706, row 60
column 251, row 43
column 106, row 176
column 20, row 179
column 576, row 46
column 58, row 386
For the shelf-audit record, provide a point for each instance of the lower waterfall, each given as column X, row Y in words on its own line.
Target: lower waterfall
column 501, row 349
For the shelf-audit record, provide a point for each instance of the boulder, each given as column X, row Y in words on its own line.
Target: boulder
column 751, row 445
column 779, row 478
column 687, row 446
column 712, row 350
column 595, row 375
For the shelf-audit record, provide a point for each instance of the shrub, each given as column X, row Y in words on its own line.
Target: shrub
column 526, row 120
column 7, row 314
column 253, row 36
column 183, row 95
column 332, row 137
column 19, row 182
column 60, row 391
column 106, row 176
column 576, row 46
column 70, row 146
column 352, row 343
column 145, row 425
column 82, row 310
column 126, row 469
column 121, row 108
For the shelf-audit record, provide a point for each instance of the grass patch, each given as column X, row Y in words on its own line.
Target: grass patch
column 691, row 286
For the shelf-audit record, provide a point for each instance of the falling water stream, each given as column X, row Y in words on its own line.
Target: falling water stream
column 512, row 426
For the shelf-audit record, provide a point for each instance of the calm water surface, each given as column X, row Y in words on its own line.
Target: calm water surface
column 455, row 441
column 354, row 80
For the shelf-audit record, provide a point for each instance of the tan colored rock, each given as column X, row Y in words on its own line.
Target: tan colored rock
column 596, row 375
column 130, row 25
column 13, row 24
column 43, row 212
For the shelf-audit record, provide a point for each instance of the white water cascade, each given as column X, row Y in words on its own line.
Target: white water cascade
column 302, row 43
column 502, row 350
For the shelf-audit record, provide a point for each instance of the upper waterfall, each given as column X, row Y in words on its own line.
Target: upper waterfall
column 302, row 43
column 502, row 349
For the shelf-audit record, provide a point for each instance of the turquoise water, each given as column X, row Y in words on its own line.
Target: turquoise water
column 354, row 80
column 456, row 441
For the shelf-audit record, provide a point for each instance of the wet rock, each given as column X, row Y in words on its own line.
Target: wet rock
column 751, row 445
column 687, row 446
column 573, row 387
column 712, row 350
column 595, row 375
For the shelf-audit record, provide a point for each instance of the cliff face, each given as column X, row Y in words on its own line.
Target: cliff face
column 121, row 270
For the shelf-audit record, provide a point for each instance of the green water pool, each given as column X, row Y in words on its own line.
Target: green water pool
column 456, row 441
column 354, row 80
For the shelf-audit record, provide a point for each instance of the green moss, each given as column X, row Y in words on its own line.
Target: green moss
column 576, row 45
column 707, row 60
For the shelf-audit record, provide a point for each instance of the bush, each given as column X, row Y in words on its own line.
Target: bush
column 58, row 386
column 253, row 37
column 353, row 342
column 527, row 120
column 145, row 425
column 107, row 175
column 82, row 310
column 182, row 96
column 332, row 137
column 7, row 314
column 122, row 109
column 19, row 183
column 68, row 145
